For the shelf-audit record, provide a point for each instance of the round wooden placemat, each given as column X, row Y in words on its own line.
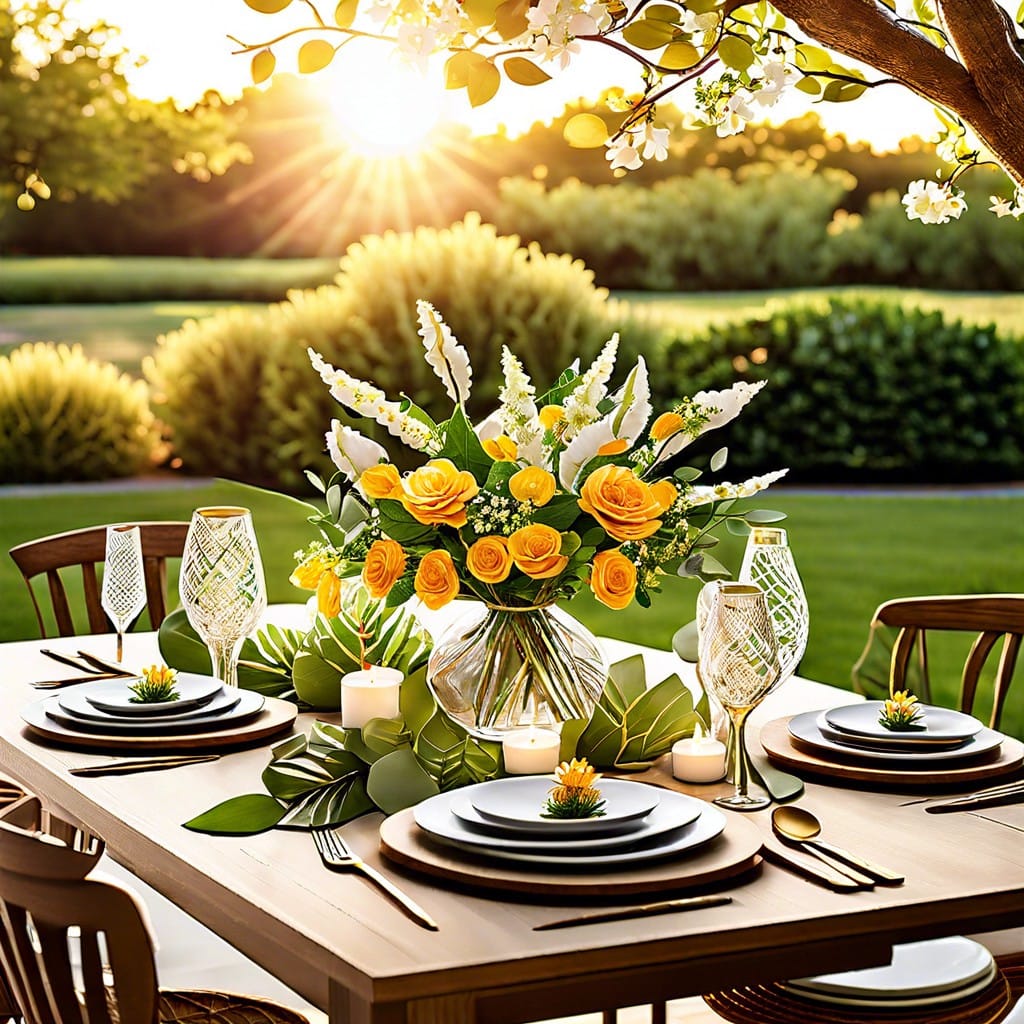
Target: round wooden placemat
column 276, row 716
column 732, row 853
column 784, row 750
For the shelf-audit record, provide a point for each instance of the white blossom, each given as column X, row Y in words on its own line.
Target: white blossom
column 353, row 453
column 582, row 448
column 775, row 77
column 444, row 355
column 932, row 202
column 705, row 493
column 580, row 407
column 518, row 409
column 704, row 24
column 624, row 152
column 416, row 43
column 368, row 400
column 655, row 143
column 736, row 114
column 490, row 427
column 1002, row 207
column 555, row 24
column 380, row 11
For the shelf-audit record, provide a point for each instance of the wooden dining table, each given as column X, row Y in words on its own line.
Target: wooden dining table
column 334, row 939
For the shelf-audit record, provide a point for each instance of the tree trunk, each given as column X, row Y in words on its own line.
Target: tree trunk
column 985, row 87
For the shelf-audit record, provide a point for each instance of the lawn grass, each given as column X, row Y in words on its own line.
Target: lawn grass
column 853, row 553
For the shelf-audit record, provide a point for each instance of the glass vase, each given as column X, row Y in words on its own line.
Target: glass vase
column 495, row 670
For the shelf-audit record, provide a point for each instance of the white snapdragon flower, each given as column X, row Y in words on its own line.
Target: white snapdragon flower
column 444, row 355
column 932, row 202
column 366, row 399
column 416, row 43
column 706, row 493
column 518, row 409
column 775, row 77
column 736, row 114
column 580, row 407
column 353, row 453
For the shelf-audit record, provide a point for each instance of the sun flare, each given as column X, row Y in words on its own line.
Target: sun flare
column 382, row 108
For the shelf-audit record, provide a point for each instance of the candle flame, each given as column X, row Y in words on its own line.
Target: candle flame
column 698, row 733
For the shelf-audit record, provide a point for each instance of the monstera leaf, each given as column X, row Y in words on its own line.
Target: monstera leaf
column 632, row 725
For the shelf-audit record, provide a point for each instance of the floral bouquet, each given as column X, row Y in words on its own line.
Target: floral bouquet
column 552, row 492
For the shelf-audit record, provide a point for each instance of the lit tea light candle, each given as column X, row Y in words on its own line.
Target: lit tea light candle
column 369, row 693
column 698, row 759
column 531, row 751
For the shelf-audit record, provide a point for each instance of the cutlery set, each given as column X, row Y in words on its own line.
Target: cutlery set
column 1008, row 793
column 93, row 668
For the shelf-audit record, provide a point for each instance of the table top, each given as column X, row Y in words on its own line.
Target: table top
column 269, row 895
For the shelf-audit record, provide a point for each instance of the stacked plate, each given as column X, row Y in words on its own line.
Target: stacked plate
column 106, row 706
column 944, row 736
column 504, row 820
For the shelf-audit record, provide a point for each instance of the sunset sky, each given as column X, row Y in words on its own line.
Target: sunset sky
column 188, row 52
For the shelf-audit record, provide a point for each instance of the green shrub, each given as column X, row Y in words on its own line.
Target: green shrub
column 241, row 400
column 862, row 391
column 764, row 227
column 66, row 417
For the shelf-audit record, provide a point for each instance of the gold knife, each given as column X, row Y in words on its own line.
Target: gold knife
column 56, row 684
column 812, row 871
column 151, row 765
column 644, row 910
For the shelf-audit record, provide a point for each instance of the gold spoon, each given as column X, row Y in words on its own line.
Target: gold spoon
column 800, row 826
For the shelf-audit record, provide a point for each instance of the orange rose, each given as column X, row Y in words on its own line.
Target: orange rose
column 622, row 503
column 613, row 579
column 384, row 565
column 488, row 559
column 436, row 494
column 667, row 424
column 328, row 595
column 309, row 571
column 532, row 484
column 501, row 448
column 381, row 481
column 436, row 582
column 550, row 415
column 665, row 493
column 536, row 550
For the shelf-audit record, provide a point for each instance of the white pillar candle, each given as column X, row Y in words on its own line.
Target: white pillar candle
column 698, row 759
column 531, row 751
column 369, row 693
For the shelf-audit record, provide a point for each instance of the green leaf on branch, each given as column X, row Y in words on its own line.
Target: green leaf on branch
column 463, row 447
column 510, row 19
column 763, row 516
column 719, row 459
column 483, row 81
column 812, row 58
column 315, row 55
column 738, row 527
column 736, row 53
column 649, row 34
column 397, row 524
column 398, row 780
column 559, row 513
column 480, row 12
column 345, row 13
column 687, row 474
column 686, row 642
column 679, row 55
column 263, row 65
column 525, row 72
column 664, row 12
column 240, row 816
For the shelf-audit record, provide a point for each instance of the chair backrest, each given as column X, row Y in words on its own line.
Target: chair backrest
column 87, row 548
column 45, row 897
column 991, row 616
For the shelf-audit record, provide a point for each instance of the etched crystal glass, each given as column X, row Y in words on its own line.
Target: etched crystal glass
column 738, row 661
column 768, row 563
column 221, row 584
column 499, row 669
column 123, row 595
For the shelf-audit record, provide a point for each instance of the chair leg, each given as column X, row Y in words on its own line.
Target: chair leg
column 659, row 1013
column 609, row 1016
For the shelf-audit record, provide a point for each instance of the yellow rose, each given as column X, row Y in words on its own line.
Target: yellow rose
column 501, row 448
column 436, row 494
column 488, row 559
column 328, row 595
column 384, row 565
column 536, row 550
column 665, row 494
column 550, row 415
column 436, row 582
column 622, row 503
column 308, row 572
column 532, row 484
column 667, row 424
column 614, row 447
column 613, row 579
column 381, row 481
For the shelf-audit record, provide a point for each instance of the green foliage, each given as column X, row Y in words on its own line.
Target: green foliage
column 762, row 227
column 71, row 125
column 862, row 391
column 209, row 376
column 66, row 417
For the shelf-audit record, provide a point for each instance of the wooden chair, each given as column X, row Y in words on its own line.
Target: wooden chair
column 87, row 548
column 45, row 895
column 991, row 616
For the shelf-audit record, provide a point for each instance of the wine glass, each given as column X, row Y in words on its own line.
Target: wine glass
column 124, row 581
column 221, row 584
column 739, row 663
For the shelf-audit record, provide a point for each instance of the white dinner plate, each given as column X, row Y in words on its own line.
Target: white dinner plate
column 917, row 969
column 115, row 697
column 708, row 826
column 249, row 704
column 518, row 803
column 460, row 821
column 805, row 729
column 76, row 704
column 891, row 743
column 939, row 723
column 898, row 1004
